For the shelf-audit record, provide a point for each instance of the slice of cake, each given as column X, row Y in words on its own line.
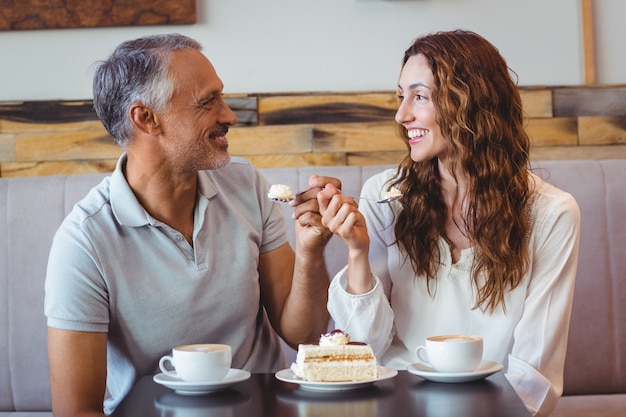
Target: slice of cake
column 393, row 193
column 335, row 359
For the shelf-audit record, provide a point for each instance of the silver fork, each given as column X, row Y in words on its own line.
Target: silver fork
column 382, row 201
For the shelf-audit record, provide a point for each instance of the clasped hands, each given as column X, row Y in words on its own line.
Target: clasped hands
column 322, row 210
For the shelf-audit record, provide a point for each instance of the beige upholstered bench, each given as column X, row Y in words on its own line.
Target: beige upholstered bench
column 32, row 208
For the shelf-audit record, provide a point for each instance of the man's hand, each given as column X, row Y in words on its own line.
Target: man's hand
column 311, row 234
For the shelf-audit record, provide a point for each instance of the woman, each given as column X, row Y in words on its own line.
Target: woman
column 477, row 244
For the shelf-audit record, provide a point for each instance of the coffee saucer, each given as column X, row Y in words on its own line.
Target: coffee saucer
column 233, row 377
column 483, row 370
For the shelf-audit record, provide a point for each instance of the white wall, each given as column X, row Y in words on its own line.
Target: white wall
column 610, row 27
column 327, row 45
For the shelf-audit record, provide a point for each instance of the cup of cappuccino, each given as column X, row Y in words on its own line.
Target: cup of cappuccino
column 451, row 353
column 199, row 362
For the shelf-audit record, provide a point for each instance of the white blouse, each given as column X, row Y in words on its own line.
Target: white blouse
column 529, row 337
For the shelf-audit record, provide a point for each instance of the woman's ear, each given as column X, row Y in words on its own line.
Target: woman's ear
column 144, row 119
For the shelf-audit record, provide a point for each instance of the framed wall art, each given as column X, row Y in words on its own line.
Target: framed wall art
column 58, row 14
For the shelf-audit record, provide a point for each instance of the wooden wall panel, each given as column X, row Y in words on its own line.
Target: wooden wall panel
column 11, row 126
column 7, row 147
column 29, row 169
column 578, row 152
column 553, row 132
column 590, row 101
column 309, row 129
column 602, row 130
column 262, row 140
column 296, row 160
column 537, row 102
column 375, row 158
column 327, row 108
column 64, row 146
column 357, row 137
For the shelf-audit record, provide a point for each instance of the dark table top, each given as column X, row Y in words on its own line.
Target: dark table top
column 264, row 396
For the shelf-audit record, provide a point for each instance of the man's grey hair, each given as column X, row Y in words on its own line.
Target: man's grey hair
column 136, row 71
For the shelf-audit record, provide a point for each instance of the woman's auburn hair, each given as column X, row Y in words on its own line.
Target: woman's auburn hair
column 479, row 111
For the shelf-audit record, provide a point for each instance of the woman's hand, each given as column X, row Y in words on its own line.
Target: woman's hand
column 341, row 215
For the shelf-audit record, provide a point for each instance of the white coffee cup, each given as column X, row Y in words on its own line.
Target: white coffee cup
column 199, row 362
column 451, row 353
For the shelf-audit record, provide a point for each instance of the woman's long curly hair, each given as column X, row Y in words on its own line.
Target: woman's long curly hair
column 479, row 111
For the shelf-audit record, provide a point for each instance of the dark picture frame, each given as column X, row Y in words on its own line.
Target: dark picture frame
column 60, row 14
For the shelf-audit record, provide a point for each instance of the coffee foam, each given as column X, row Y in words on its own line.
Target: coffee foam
column 454, row 338
column 206, row 348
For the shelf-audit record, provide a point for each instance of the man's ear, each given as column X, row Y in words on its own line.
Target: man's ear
column 144, row 119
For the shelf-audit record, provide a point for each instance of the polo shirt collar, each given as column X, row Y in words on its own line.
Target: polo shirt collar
column 206, row 185
column 125, row 205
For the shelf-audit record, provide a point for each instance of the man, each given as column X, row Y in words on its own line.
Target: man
column 180, row 244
